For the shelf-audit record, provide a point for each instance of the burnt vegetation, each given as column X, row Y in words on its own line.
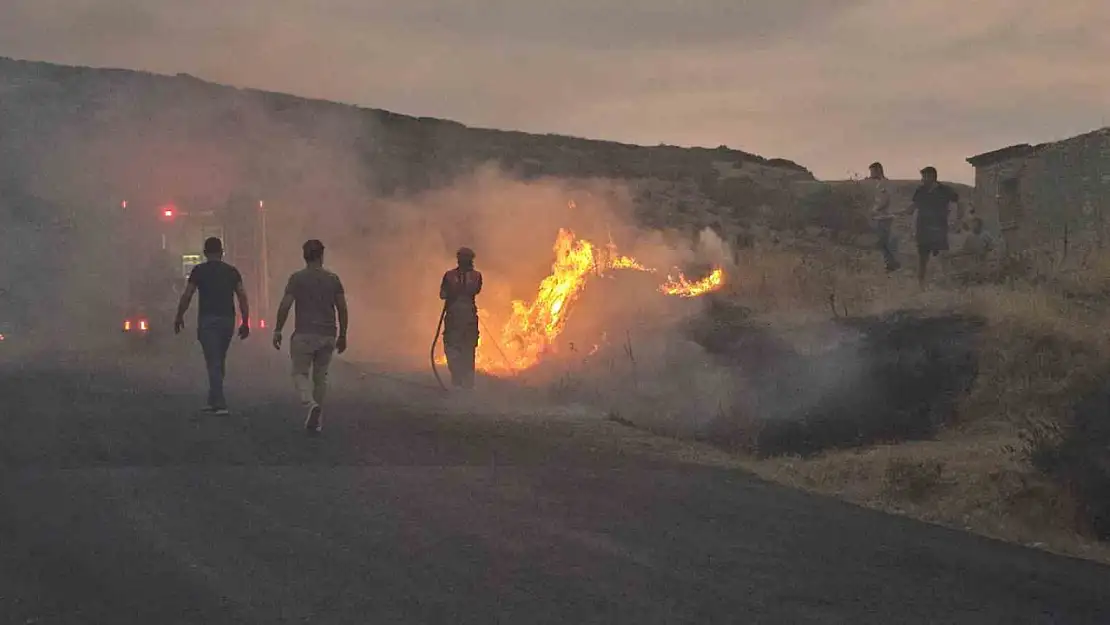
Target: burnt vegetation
column 1075, row 452
column 887, row 379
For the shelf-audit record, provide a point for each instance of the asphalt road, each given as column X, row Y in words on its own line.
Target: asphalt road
column 119, row 504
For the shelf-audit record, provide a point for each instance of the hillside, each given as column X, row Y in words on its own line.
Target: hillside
column 180, row 135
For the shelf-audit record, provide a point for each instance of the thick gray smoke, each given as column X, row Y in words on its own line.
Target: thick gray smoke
column 75, row 145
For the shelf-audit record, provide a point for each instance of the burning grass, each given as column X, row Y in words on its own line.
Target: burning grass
column 534, row 327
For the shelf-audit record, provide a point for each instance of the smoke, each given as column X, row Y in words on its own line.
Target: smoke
column 393, row 265
column 76, row 144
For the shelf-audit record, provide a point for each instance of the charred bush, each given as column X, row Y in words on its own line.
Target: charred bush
column 1076, row 454
column 885, row 379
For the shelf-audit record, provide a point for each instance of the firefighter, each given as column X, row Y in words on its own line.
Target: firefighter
column 458, row 289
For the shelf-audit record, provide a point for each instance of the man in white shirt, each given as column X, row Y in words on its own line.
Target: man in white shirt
column 881, row 215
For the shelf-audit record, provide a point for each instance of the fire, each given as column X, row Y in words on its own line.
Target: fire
column 683, row 287
column 627, row 262
column 533, row 327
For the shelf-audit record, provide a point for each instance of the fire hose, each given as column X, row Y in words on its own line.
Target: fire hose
column 432, row 356
column 435, row 341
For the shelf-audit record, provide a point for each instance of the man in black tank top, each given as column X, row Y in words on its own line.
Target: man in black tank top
column 219, row 284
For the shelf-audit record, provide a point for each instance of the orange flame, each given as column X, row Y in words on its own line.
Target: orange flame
column 685, row 288
column 533, row 327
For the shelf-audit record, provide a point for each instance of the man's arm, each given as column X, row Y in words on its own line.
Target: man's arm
column 286, row 303
column 283, row 312
column 244, row 305
column 282, row 315
column 443, row 288
column 913, row 203
column 478, row 288
column 341, row 312
column 183, row 303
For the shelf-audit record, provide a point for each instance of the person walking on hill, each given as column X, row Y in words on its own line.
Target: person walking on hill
column 319, row 298
column 219, row 284
column 881, row 215
column 932, row 202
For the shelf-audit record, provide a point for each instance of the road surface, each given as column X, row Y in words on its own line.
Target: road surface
column 120, row 505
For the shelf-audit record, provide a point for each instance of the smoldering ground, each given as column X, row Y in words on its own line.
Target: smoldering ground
column 746, row 384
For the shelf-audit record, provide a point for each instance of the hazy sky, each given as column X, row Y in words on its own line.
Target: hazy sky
column 831, row 84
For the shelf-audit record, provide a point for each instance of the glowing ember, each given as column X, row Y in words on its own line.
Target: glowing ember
column 534, row 326
column 685, row 288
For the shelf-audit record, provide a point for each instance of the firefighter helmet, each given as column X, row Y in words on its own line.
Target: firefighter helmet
column 465, row 252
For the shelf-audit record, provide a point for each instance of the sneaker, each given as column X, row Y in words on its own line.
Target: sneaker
column 221, row 412
column 315, row 415
column 208, row 410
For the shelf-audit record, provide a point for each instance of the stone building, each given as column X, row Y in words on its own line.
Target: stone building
column 1041, row 194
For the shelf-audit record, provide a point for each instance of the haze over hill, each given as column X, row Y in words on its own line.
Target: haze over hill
column 379, row 186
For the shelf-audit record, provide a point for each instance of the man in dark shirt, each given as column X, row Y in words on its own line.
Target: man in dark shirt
column 932, row 201
column 217, row 282
column 319, row 297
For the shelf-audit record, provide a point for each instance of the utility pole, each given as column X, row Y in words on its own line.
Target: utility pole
column 264, row 264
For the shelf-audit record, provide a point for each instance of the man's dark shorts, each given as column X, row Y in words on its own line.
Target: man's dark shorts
column 932, row 241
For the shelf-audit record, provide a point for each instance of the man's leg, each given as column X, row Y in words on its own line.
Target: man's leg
column 468, row 364
column 454, row 362
column 922, row 263
column 300, row 353
column 208, row 346
column 321, row 363
column 215, row 338
column 226, row 331
column 889, row 259
column 302, row 350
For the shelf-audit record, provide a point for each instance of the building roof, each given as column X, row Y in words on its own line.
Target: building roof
column 1002, row 154
column 1024, row 149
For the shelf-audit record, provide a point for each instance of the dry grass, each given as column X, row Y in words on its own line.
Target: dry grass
column 966, row 482
column 1045, row 346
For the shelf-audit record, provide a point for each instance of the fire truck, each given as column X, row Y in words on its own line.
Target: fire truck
column 167, row 240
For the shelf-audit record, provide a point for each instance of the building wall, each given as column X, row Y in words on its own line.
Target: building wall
column 1064, row 185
